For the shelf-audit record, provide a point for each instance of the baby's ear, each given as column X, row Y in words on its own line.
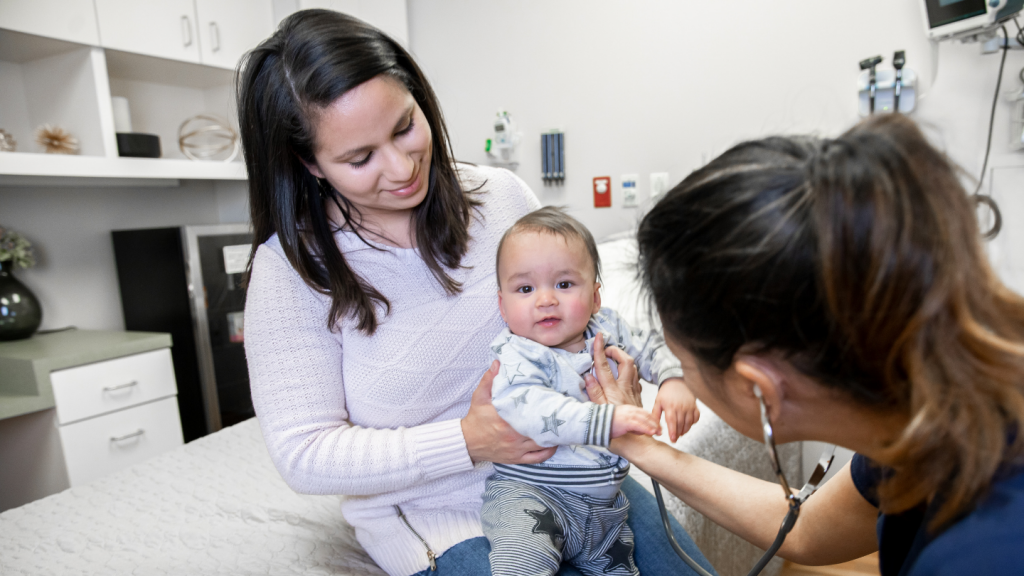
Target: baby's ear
column 501, row 306
column 597, row 297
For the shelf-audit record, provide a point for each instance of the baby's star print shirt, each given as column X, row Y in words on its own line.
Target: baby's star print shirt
column 541, row 393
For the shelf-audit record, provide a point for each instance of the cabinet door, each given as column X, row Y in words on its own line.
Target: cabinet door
column 72, row 20
column 230, row 28
column 163, row 28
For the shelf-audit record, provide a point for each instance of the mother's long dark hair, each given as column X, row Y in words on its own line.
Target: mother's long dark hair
column 860, row 259
column 313, row 58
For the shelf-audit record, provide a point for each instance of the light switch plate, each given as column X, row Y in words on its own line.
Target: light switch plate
column 659, row 184
column 629, row 190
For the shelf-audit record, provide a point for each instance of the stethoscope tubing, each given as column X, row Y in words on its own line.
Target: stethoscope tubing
column 794, row 500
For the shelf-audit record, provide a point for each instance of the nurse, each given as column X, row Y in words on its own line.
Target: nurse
column 845, row 279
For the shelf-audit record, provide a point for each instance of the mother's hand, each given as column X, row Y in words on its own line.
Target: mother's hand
column 489, row 438
column 606, row 389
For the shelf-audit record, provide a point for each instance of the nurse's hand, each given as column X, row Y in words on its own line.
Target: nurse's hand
column 491, row 439
column 606, row 389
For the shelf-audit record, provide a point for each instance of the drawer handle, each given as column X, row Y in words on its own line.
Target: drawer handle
column 120, row 386
column 138, row 432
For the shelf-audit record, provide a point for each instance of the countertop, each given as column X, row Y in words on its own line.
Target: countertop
column 25, row 365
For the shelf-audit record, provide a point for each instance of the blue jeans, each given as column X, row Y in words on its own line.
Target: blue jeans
column 652, row 552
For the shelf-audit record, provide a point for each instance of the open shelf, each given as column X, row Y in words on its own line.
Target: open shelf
column 48, row 81
column 27, row 169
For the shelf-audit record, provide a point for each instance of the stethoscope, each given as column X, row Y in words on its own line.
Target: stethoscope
column 794, row 500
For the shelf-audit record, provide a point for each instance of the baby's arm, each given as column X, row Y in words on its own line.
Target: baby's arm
column 523, row 395
column 655, row 363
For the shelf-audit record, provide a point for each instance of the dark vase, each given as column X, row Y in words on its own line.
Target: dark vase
column 20, row 313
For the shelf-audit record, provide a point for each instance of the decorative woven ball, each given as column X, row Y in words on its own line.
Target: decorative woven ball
column 208, row 137
column 7, row 143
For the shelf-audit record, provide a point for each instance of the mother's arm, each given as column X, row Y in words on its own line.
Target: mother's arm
column 295, row 367
column 489, row 438
column 835, row 525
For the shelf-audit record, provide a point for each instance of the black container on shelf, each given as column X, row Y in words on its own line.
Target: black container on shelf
column 187, row 281
column 138, row 145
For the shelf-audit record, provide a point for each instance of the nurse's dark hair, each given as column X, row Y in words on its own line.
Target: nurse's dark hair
column 859, row 259
column 555, row 221
column 283, row 86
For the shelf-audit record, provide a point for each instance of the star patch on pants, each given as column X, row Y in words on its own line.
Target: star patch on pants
column 546, row 524
column 619, row 554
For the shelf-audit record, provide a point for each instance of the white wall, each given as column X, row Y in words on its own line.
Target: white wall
column 639, row 87
column 663, row 85
column 75, row 277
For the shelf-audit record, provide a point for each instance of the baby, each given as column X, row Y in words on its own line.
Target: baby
column 568, row 507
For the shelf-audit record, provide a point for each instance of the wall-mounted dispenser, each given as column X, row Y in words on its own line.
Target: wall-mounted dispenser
column 502, row 148
column 552, row 156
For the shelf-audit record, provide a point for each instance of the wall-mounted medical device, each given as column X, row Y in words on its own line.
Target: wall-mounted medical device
column 502, row 148
column 552, row 156
column 886, row 90
column 966, row 20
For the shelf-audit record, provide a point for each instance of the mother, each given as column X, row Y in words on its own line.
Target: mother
column 844, row 282
column 371, row 297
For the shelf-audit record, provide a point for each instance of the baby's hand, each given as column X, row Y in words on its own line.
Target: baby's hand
column 679, row 406
column 627, row 418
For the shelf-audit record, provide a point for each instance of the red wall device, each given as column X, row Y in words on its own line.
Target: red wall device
column 603, row 192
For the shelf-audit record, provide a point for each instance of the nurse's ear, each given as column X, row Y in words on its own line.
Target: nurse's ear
column 763, row 374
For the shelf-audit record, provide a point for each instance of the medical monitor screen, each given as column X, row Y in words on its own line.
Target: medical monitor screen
column 942, row 12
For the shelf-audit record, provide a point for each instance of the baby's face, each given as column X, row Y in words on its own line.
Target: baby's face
column 548, row 290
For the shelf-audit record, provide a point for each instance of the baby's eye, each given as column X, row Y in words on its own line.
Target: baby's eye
column 565, row 285
column 524, row 289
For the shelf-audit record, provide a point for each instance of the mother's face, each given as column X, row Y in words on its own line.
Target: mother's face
column 373, row 145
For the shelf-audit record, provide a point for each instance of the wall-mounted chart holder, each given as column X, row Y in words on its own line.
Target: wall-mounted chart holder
column 552, row 156
column 885, row 91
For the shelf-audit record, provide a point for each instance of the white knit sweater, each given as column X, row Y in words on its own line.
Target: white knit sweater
column 378, row 418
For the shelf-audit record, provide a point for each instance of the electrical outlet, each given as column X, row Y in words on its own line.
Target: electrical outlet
column 629, row 190
column 659, row 184
column 603, row 192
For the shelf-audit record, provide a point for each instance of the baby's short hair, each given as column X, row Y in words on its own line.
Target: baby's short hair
column 553, row 220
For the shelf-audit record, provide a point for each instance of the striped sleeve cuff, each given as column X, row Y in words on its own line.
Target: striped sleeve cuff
column 441, row 449
column 599, row 432
column 667, row 373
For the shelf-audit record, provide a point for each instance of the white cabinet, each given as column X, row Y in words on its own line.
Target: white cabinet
column 230, row 28
column 81, row 404
column 212, row 32
column 71, row 20
column 116, row 413
column 163, row 28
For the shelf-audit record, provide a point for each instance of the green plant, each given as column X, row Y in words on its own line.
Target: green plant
column 16, row 248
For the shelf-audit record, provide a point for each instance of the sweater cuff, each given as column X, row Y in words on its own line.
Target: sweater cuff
column 669, row 373
column 599, row 433
column 441, row 449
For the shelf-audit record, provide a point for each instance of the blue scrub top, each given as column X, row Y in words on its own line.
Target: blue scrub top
column 988, row 540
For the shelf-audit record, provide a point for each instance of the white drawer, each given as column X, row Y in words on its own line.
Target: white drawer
column 98, row 446
column 93, row 389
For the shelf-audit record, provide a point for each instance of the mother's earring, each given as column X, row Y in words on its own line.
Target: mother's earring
column 325, row 189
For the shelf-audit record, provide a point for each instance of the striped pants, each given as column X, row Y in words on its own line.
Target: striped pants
column 532, row 529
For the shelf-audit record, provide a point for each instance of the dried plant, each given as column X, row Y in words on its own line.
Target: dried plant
column 56, row 140
column 16, row 248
